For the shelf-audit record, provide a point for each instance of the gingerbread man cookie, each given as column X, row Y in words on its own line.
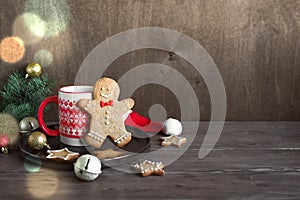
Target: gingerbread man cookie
column 106, row 114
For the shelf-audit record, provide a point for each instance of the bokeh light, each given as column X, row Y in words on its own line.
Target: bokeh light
column 44, row 57
column 54, row 13
column 30, row 27
column 42, row 184
column 32, row 166
column 12, row 49
column 157, row 113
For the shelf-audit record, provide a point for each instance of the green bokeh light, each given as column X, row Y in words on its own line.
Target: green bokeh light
column 35, row 24
column 44, row 57
column 30, row 27
column 55, row 13
column 32, row 166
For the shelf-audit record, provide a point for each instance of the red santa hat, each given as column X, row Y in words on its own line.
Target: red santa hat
column 136, row 120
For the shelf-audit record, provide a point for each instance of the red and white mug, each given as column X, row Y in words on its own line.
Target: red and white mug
column 73, row 121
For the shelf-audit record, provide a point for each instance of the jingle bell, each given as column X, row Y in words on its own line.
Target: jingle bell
column 28, row 124
column 87, row 167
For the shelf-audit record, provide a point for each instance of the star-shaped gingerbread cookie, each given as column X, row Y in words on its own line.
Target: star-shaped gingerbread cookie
column 107, row 113
column 147, row 168
column 62, row 154
column 173, row 140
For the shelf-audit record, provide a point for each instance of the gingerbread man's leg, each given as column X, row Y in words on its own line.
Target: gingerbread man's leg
column 121, row 137
column 94, row 139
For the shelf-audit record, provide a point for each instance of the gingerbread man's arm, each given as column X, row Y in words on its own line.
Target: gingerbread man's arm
column 125, row 105
column 129, row 103
column 86, row 104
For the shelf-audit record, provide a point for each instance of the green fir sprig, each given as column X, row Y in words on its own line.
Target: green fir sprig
column 22, row 97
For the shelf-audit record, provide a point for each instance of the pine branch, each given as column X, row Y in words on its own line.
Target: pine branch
column 13, row 89
column 22, row 97
column 19, row 111
column 37, row 90
column 38, row 87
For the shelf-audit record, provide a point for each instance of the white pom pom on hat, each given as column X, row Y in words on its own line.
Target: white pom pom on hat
column 172, row 127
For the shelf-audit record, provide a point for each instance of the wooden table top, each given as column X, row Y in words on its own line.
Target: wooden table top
column 252, row 160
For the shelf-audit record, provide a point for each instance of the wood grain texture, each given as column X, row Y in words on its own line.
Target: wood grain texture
column 252, row 160
column 254, row 43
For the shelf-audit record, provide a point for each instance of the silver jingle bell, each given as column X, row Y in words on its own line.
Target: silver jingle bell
column 87, row 167
column 28, row 124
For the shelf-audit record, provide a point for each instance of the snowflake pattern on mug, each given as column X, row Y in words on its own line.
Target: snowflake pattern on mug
column 73, row 121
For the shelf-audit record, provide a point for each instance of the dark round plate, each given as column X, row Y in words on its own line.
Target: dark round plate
column 140, row 142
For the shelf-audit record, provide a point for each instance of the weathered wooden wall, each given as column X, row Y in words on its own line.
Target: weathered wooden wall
column 255, row 44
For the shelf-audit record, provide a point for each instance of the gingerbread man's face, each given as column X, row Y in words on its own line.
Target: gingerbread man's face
column 106, row 89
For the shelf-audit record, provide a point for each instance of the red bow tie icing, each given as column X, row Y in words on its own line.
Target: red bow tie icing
column 109, row 103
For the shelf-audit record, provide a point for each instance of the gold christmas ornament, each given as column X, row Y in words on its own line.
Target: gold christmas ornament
column 28, row 124
column 33, row 70
column 37, row 140
column 9, row 127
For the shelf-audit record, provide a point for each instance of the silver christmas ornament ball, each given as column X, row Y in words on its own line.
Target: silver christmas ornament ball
column 87, row 167
column 28, row 124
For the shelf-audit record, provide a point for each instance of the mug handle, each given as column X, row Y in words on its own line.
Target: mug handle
column 48, row 131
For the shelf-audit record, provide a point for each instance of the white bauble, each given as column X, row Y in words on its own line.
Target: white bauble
column 172, row 127
column 87, row 167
